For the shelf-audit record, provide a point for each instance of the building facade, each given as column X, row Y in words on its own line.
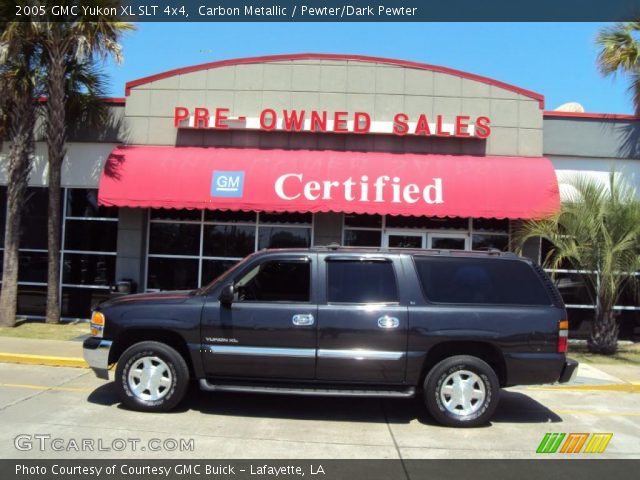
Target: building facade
column 206, row 164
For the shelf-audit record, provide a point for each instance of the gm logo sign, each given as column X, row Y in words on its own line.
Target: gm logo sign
column 227, row 184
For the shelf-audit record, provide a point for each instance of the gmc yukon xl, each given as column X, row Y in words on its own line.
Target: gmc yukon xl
column 454, row 327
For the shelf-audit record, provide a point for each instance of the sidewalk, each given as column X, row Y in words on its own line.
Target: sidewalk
column 68, row 353
column 590, row 375
column 592, row 378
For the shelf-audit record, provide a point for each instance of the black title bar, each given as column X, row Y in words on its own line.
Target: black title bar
column 582, row 469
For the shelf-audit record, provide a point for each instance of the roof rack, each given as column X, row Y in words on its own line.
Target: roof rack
column 334, row 246
column 491, row 250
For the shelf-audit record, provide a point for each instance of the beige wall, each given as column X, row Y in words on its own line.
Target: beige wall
column 82, row 166
column 379, row 89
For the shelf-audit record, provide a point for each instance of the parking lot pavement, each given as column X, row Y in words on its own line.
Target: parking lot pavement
column 71, row 404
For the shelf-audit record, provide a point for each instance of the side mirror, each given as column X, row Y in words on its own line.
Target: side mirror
column 226, row 295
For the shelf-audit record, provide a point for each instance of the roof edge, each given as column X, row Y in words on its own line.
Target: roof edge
column 115, row 100
column 330, row 56
column 110, row 100
column 600, row 116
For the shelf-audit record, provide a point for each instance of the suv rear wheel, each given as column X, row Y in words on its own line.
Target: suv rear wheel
column 461, row 391
column 152, row 377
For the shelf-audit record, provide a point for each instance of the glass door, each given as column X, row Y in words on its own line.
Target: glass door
column 400, row 239
column 448, row 241
column 436, row 240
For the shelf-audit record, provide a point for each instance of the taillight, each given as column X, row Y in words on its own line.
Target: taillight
column 563, row 336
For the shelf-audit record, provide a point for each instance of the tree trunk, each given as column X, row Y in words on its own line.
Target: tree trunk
column 603, row 338
column 20, row 156
column 56, row 138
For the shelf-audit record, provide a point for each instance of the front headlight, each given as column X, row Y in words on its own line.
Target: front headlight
column 97, row 324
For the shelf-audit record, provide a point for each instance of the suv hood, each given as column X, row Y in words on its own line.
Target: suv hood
column 169, row 297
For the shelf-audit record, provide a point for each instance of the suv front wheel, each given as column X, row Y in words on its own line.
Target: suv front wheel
column 461, row 391
column 152, row 377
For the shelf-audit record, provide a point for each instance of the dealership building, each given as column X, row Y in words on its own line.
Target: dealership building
column 206, row 164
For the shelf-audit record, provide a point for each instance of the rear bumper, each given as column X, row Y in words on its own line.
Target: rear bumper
column 96, row 354
column 569, row 371
column 537, row 368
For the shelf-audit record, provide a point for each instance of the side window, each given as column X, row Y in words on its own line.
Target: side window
column 361, row 282
column 276, row 281
column 480, row 281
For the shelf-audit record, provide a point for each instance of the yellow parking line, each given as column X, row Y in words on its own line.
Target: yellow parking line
column 597, row 413
column 44, row 387
column 608, row 387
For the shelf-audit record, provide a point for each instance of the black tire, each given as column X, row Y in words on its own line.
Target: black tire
column 170, row 365
column 485, row 378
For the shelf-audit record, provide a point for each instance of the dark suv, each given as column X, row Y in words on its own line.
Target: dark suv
column 455, row 326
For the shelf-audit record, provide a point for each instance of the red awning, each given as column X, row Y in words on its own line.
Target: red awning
column 329, row 181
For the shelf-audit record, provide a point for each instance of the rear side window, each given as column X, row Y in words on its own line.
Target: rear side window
column 480, row 281
column 361, row 282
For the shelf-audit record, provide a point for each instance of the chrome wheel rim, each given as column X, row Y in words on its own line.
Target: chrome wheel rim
column 150, row 378
column 463, row 393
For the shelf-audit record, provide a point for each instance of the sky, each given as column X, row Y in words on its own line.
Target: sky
column 554, row 59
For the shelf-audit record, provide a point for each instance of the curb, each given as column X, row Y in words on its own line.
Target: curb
column 50, row 361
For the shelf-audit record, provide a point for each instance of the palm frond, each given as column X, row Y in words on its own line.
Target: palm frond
column 86, row 89
column 597, row 230
column 619, row 49
column 620, row 53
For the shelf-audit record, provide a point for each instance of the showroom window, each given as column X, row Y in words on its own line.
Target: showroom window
column 32, row 257
column 190, row 248
column 576, row 286
column 88, row 252
column 489, row 233
column 362, row 230
column 88, row 263
column 368, row 230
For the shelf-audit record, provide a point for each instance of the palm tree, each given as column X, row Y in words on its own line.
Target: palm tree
column 18, row 70
column 66, row 44
column 596, row 231
column 620, row 53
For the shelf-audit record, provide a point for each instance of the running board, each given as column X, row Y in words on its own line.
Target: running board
column 291, row 390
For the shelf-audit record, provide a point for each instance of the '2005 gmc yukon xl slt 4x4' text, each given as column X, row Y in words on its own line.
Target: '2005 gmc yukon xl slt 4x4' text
column 453, row 326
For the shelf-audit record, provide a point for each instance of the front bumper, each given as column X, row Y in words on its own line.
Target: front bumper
column 96, row 354
column 569, row 371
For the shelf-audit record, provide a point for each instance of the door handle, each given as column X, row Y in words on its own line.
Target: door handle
column 388, row 322
column 303, row 319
